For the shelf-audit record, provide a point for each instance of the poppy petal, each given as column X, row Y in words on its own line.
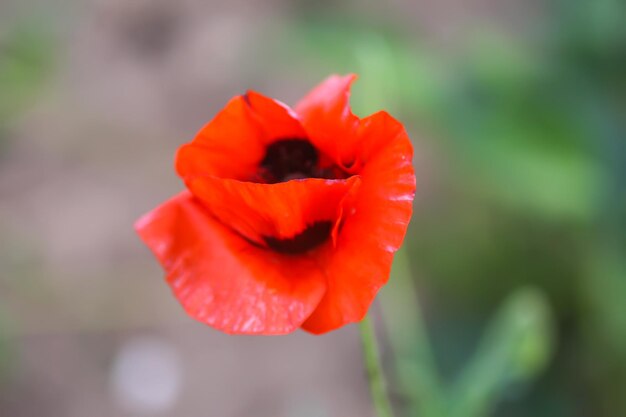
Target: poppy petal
column 224, row 281
column 361, row 261
column 326, row 116
column 249, row 123
column 275, row 119
column 281, row 211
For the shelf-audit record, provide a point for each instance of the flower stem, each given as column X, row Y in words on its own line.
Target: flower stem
column 373, row 366
column 416, row 369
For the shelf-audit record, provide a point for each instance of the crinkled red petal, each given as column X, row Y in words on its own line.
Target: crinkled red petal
column 233, row 144
column 280, row 211
column 274, row 118
column 373, row 229
column 223, row 280
column 326, row 116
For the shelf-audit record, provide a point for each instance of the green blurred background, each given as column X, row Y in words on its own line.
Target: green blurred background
column 516, row 252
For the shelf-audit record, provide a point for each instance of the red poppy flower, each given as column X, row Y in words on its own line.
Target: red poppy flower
column 291, row 217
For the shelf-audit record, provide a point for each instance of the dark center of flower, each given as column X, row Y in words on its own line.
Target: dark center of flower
column 311, row 237
column 290, row 159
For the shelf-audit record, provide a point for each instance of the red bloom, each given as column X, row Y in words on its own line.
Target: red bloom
column 291, row 218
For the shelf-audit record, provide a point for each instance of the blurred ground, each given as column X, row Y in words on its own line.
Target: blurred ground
column 516, row 111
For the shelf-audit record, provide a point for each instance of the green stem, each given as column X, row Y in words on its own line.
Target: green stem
column 416, row 370
column 374, row 369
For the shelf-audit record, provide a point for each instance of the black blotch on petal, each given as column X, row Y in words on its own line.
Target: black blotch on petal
column 291, row 159
column 311, row 237
column 288, row 159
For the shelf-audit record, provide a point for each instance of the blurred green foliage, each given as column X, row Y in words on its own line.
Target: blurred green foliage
column 528, row 132
column 25, row 62
column 6, row 350
column 25, row 58
column 515, row 348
